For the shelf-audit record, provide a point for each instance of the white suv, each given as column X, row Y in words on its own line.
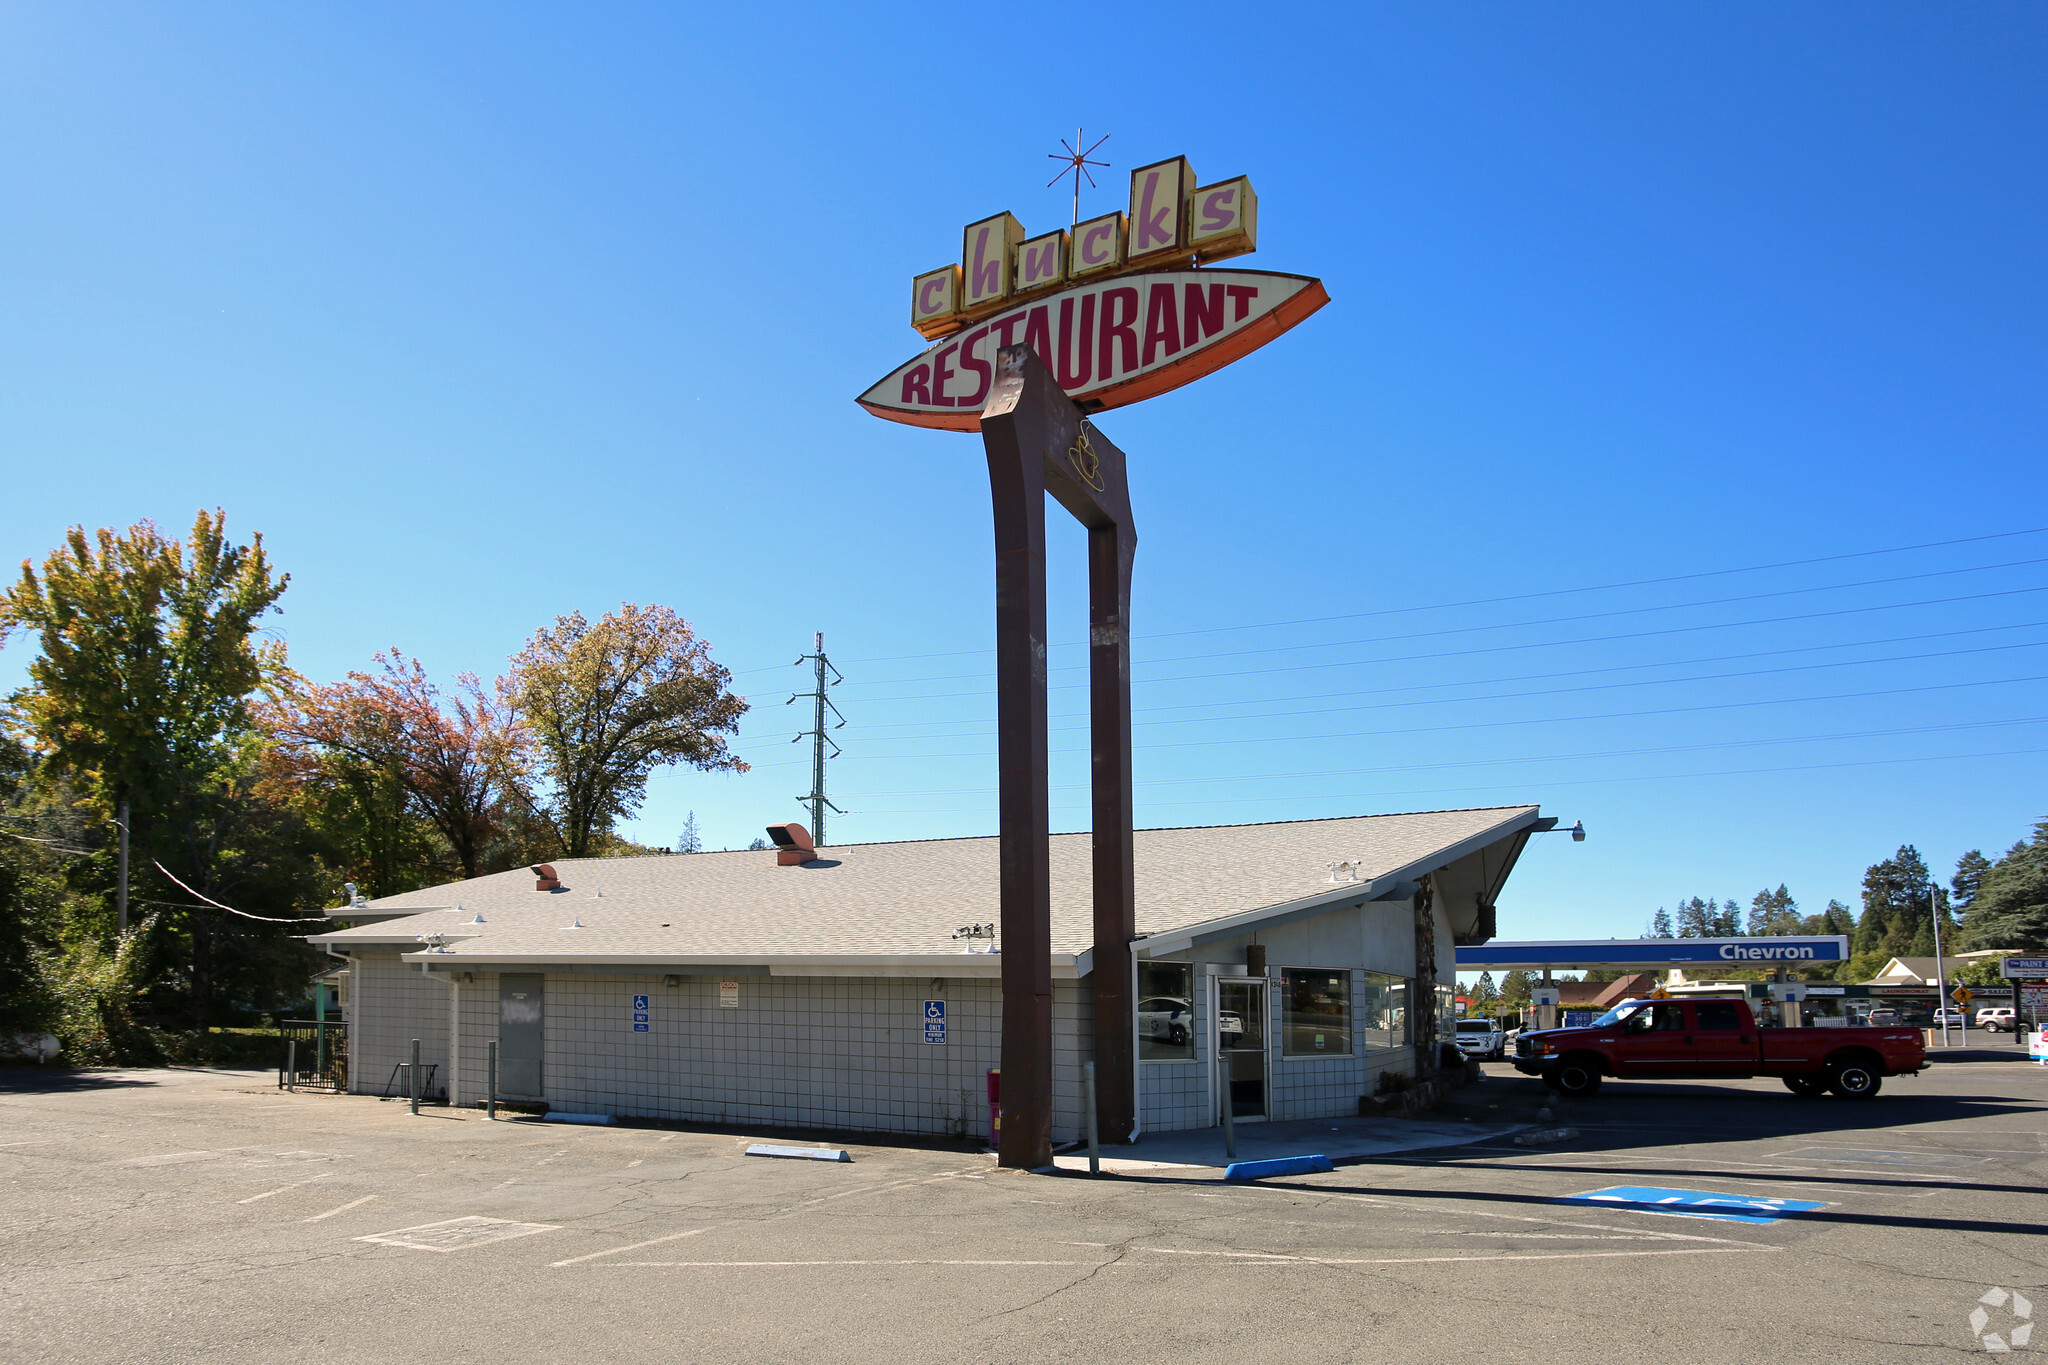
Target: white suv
column 1482, row 1038
column 1996, row 1018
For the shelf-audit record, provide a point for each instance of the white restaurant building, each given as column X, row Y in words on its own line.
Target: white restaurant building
column 729, row 988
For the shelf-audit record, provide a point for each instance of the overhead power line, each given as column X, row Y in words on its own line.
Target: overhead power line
column 1507, row 625
column 1508, row 597
column 1447, row 764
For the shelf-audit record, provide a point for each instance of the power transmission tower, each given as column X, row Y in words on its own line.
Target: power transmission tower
column 815, row 799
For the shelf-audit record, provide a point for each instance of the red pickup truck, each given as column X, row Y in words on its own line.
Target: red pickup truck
column 1709, row 1037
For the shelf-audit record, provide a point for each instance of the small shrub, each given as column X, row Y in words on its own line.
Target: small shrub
column 1395, row 1082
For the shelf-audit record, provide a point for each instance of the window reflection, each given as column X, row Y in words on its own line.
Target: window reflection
column 1383, row 1010
column 1166, row 1012
column 1315, row 1013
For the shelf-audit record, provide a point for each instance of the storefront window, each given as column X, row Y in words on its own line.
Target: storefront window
column 1383, row 1010
column 1166, row 1012
column 1315, row 1013
column 1446, row 1012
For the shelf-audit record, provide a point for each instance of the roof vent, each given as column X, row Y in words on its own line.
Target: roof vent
column 477, row 918
column 1346, row 872
column 575, row 922
column 792, row 845
column 546, row 880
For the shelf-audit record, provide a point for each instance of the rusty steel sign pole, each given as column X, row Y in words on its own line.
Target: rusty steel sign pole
column 1038, row 442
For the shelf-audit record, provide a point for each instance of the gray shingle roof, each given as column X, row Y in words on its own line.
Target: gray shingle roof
column 906, row 899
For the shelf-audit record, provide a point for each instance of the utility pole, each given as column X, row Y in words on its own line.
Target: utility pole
column 815, row 799
column 121, row 896
column 1940, row 976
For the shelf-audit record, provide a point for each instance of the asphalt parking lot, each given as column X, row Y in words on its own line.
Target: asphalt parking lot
column 157, row 1216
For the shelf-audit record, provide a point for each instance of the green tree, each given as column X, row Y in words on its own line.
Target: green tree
column 1660, row 925
column 1773, row 913
column 1514, row 988
column 141, row 693
column 1485, row 995
column 1969, row 878
column 1896, row 920
column 605, row 703
column 2010, row 909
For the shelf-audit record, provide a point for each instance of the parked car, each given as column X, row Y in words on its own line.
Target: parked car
column 1883, row 1019
column 1948, row 1014
column 1165, row 1018
column 1997, row 1018
column 1482, row 1038
column 1709, row 1038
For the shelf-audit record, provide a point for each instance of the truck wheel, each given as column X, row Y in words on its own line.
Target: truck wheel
column 1576, row 1076
column 1806, row 1087
column 1854, row 1080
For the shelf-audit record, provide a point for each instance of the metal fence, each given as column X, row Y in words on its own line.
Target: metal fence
column 312, row 1054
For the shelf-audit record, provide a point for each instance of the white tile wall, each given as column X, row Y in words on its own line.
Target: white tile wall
column 827, row 1052
column 390, row 1004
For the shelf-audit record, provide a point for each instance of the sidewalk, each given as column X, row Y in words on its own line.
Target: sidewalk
column 1339, row 1139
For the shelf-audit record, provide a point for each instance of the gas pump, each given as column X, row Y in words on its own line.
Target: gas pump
column 1789, row 996
column 1545, row 1001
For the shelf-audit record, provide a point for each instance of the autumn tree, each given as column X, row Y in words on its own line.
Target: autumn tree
column 141, row 693
column 603, row 704
column 405, row 750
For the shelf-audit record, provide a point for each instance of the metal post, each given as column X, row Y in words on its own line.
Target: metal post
column 291, row 1062
column 491, row 1104
column 412, row 1079
column 121, row 896
column 1094, row 1139
column 1229, row 1111
column 1940, row 975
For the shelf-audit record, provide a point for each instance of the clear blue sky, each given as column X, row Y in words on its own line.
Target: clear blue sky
column 486, row 313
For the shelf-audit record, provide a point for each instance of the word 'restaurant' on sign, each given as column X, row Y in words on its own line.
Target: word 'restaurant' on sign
column 1119, row 307
column 1107, row 344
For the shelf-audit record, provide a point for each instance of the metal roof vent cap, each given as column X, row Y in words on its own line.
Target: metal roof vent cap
column 545, row 878
column 574, row 923
column 793, row 846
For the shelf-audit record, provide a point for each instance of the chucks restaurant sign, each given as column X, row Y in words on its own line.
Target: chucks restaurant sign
column 1119, row 308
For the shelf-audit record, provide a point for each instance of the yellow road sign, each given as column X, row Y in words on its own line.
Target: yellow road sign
column 1962, row 995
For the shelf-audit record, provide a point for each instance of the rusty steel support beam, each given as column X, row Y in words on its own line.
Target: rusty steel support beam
column 1039, row 442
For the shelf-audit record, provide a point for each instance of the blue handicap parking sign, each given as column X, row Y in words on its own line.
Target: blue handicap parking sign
column 639, row 1016
column 639, row 1028
column 639, row 1002
column 935, row 1009
column 1730, row 1208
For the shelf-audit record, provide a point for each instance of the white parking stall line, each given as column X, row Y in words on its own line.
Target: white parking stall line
column 722, row 1265
column 282, row 1188
column 1264, row 1258
column 635, row 1246
column 1546, row 1222
column 353, row 1203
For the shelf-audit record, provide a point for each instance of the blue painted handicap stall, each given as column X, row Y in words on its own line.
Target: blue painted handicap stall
column 1728, row 1208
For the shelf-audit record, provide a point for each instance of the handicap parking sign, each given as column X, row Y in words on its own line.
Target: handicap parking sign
column 639, row 1002
column 935, row 1009
column 935, row 1021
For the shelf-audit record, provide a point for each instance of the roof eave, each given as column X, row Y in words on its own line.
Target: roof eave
column 1395, row 885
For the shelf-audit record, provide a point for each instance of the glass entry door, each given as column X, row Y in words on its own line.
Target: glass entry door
column 1241, row 1045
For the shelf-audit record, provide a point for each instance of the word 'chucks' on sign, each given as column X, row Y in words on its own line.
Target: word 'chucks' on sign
column 1121, row 307
column 1172, row 223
